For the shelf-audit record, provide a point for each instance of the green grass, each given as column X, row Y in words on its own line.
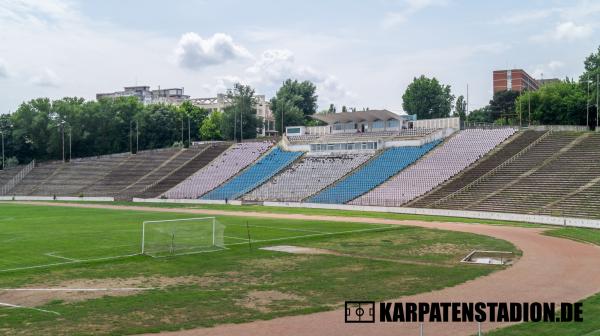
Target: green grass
column 591, row 305
column 239, row 284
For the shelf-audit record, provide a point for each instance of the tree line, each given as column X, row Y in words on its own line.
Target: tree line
column 40, row 128
column 563, row 102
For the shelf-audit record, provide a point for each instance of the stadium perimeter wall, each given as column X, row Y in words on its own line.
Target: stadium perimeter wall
column 57, row 198
column 550, row 220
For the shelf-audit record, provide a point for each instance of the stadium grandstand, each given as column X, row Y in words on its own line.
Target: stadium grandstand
column 255, row 175
column 224, row 167
column 366, row 158
column 307, row 177
column 441, row 164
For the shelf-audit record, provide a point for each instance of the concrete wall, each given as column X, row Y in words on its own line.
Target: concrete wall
column 570, row 128
column 184, row 201
column 438, row 123
column 550, row 220
column 58, row 198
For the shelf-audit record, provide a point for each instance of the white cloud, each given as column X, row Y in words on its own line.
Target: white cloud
column 548, row 70
column 272, row 68
column 409, row 8
column 565, row 31
column 527, row 16
column 276, row 65
column 47, row 78
column 572, row 31
column 195, row 52
column 3, row 69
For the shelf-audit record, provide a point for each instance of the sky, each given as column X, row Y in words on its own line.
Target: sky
column 358, row 53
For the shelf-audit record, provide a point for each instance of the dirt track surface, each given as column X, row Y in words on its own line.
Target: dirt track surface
column 550, row 270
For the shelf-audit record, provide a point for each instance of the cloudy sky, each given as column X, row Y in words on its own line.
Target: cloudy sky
column 358, row 53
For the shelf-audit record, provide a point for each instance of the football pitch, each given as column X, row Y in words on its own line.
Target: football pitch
column 54, row 237
column 66, row 270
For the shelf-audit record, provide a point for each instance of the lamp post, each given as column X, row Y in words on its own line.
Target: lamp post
column 70, row 142
column 131, row 136
column 529, row 108
column 2, row 134
column 62, row 134
column 597, row 94
column 137, row 136
column 587, row 104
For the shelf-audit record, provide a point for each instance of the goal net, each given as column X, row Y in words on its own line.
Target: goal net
column 182, row 236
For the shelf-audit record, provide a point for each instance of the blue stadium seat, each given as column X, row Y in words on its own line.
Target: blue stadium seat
column 255, row 175
column 372, row 174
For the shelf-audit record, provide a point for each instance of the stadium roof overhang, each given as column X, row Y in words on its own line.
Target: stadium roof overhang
column 358, row 116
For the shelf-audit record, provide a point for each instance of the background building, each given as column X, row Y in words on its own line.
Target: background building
column 220, row 102
column 514, row 80
column 147, row 96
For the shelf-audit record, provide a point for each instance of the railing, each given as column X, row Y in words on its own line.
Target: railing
column 17, row 178
column 490, row 173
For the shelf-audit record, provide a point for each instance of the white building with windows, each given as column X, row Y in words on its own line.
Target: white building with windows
column 146, row 96
column 263, row 109
column 367, row 130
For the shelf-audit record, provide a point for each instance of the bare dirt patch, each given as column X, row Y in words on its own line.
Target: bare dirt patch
column 298, row 249
column 439, row 248
column 261, row 300
column 86, row 289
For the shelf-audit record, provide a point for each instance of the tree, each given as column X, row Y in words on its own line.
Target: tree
column 292, row 115
column 344, row 108
column 195, row 115
column 331, row 109
column 460, row 109
column 427, row 98
column 300, row 95
column 160, row 126
column 559, row 103
column 211, row 127
column 481, row 115
column 241, row 114
column 503, row 105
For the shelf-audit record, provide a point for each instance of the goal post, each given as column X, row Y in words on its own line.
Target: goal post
column 182, row 236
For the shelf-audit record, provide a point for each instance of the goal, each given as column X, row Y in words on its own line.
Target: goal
column 182, row 236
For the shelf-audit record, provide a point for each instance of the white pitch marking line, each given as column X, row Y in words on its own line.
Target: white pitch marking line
column 231, row 237
column 77, row 289
column 52, row 254
column 68, row 262
column 10, row 305
column 315, row 235
column 281, row 228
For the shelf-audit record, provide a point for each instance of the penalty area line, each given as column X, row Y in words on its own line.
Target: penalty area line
column 380, row 228
column 53, row 254
column 10, row 305
column 68, row 263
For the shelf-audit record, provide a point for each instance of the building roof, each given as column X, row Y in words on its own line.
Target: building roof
column 370, row 115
